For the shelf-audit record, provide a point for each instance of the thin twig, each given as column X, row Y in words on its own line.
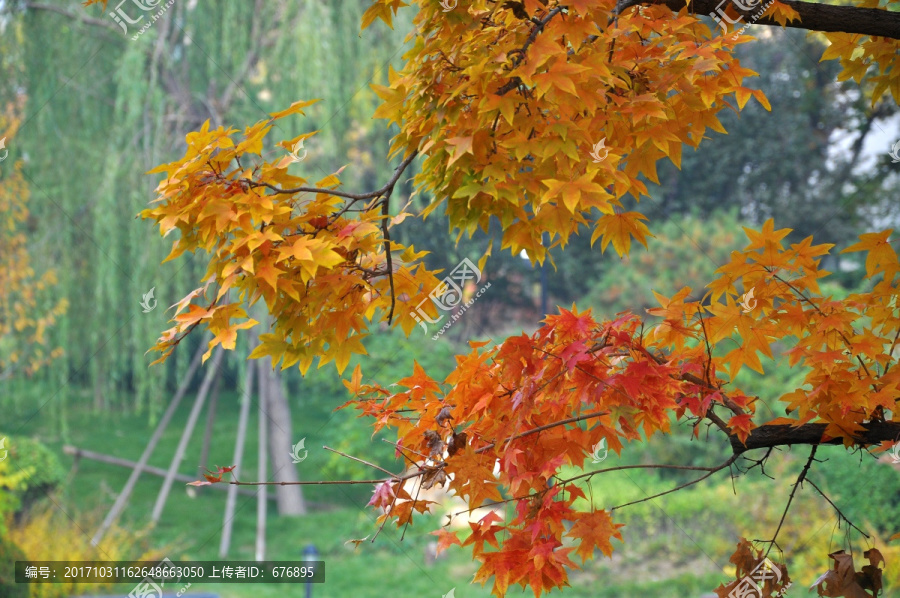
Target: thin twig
column 520, row 52
column 545, row 427
column 840, row 514
column 800, row 478
column 358, row 196
column 404, row 448
column 731, row 460
column 393, row 475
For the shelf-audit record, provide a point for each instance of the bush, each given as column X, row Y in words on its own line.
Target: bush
column 686, row 251
column 59, row 534
column 9, row 554
column 44, row 471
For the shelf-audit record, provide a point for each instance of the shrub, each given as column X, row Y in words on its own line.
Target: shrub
column 9, row 552
column 57, row 534
column 45, row 472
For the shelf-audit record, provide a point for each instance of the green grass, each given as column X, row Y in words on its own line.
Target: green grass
column 675, row 547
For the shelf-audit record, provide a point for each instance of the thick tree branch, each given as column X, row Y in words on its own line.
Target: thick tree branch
column 769, row 436
column 813, row 16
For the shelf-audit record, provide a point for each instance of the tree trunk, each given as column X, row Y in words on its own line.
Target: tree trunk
column 281, row 440
column 262, row 467
column 231, row 502
column 210, row 422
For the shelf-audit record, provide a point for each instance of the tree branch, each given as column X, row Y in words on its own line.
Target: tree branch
column 388, row 187
column 787, row 507
column 813, row 16
column 770, row 436
column 835, row 507
column 561, row 422
column 710, row 471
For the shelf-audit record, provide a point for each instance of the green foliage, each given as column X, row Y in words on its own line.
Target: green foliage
column 41, row 471
column 10, row 484
column 685, row 252
column 800, row 162
column 106, row 260
column 390, row 357
column 9, row 554
column 866, row 490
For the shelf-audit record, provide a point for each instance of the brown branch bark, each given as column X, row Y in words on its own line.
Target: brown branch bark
column 770, row 436
column 387, row 188
column 813, row 16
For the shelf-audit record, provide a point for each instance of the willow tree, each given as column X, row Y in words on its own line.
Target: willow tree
column 141, row 104
column 544, row 118
column 28, row 307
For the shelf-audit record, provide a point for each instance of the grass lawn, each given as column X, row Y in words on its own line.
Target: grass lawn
column 190, row 527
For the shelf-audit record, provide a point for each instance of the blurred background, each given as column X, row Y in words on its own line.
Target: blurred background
column 89, row 104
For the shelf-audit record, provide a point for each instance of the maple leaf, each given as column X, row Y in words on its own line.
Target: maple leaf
column 619, row 229
column 356, row 543
column 212, row 478
column 595, row 530
column 844, row 580
column 484, row 91
column 881, row 256
column 445, row 539
column 382, row 496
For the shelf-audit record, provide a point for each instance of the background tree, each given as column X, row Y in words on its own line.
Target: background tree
column 501, row 100
column 27, row 306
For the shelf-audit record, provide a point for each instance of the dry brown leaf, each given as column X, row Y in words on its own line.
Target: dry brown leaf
column 757, row 576
column 457, row 443
column 434, row 477
column 843, row 581
column 435, row 444
column 443, row 415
